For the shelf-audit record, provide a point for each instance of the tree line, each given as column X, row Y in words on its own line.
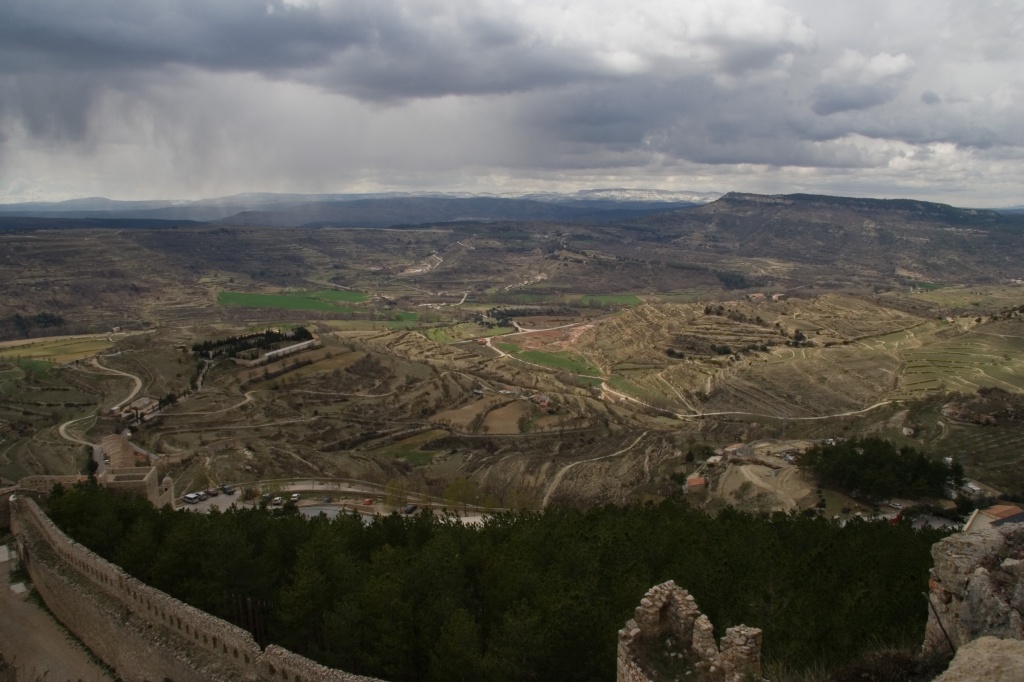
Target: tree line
column 234, row 345
column 876, row 469
column 525, row 596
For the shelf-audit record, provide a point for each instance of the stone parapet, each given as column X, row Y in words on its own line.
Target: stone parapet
column 141, row 632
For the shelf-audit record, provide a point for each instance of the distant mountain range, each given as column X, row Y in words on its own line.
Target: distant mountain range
column 374, row 210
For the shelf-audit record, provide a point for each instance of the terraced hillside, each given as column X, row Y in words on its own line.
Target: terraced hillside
column 796, row 357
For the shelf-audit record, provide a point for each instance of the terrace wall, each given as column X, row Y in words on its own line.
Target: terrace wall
column 143, row 633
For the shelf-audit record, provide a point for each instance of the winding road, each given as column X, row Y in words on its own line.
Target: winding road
column 137, row 382
column 64, row 429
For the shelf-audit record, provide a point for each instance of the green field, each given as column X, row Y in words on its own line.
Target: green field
column 964, row 363
column 409, row 448
column 463, row 332
column 58, row 350
column 624, row 385
column 302, row 300
column 335, row 295
column 570, row 362
column 30, row 366
column 562, row 360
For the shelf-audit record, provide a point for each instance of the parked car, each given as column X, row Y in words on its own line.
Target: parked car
column 212, row 492
column 201, row 495
column 295, row 497
column 277, row 501
column 227, row 489
column 190, row 498
column 368, row 501
column 410, row 508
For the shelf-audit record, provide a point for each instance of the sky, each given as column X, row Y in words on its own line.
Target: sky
column 186, row 99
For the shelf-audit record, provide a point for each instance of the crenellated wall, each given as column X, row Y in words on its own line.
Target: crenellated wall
column 141, row 632
column 668, row 617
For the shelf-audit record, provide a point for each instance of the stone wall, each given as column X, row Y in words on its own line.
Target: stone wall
column 668, row 621
column 976, row 589
column 141, row 632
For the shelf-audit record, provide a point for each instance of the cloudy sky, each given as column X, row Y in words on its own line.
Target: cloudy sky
column 134, row 99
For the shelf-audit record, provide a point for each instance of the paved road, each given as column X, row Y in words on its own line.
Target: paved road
column 35, row 643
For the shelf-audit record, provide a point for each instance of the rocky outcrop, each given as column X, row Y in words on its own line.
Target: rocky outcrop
column 989, row 659
column 668, row 630
column 976, row 589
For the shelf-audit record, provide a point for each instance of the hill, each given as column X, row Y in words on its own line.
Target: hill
column 892, row 238
column 425, row 210
column 373, row 209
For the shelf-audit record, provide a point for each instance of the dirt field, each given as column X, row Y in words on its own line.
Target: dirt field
column 770, row 489
column 463, row 417
column 505, row 419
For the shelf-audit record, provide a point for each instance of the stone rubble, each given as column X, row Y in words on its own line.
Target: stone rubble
column 667, row 609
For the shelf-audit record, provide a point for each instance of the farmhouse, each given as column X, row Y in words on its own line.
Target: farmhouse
column 737, row 450
column 696, row 484
column 141, row 407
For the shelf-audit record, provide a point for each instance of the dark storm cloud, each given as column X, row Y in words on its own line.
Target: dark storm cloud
column 375, row 49
column 429, row 88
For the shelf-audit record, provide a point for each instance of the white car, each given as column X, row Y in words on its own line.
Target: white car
column 295, row 497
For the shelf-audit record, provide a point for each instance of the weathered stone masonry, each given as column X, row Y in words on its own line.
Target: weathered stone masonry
column 141, row 632
column 668, row 610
